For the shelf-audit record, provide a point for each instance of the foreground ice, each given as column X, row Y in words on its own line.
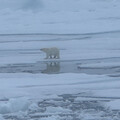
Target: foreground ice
column 67, row 96
column 62, row 107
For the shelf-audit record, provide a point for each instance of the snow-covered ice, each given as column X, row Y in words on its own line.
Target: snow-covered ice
column 83, row 84
column 35, row 88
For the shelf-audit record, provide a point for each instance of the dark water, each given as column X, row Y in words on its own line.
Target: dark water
column 61, row 66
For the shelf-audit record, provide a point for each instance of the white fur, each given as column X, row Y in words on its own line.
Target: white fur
column 52, row 53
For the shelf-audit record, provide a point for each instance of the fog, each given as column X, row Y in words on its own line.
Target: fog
column 57, row 5
column 20, row 4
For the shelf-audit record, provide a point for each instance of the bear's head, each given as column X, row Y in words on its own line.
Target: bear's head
column 44, row 49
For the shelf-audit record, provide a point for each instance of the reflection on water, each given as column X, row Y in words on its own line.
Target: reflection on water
column 52, row 68
column 34, row 68
column 56, row 67
column 44, row 67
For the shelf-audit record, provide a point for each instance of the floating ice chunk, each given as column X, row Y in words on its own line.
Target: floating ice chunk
column 4, row 108
column 14, row 105
column 1, row 118
column 20, row 104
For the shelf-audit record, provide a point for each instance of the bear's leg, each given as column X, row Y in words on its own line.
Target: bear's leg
column 50, row 56
column 47, row 56
column 58, row 56
column 55, row 56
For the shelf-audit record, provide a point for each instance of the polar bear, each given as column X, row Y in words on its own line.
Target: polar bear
column 52, row 53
